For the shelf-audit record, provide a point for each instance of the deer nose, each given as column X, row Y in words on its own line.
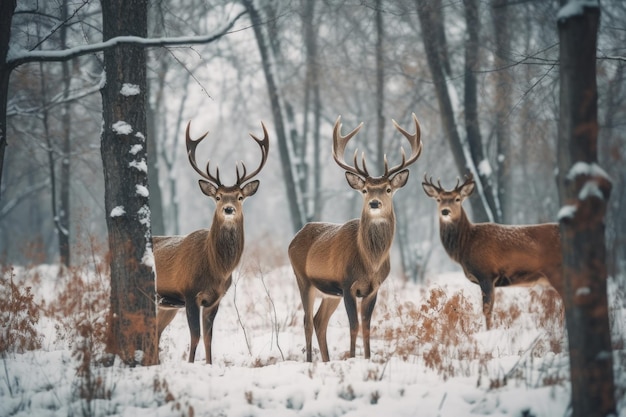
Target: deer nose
column 229, row 210
column 445, row 212
column 374, row 204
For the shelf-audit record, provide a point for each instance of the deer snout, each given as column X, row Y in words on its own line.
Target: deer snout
column 229, row 210
column 445, row 212
column 375, row 204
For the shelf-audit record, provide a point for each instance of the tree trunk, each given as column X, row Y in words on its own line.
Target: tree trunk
column 584, row 190
column 431, row 20
column 132, row 332
column 380, row 87
column 502, row 108
column 7, row 8
column 296, row 209
column 63, row 223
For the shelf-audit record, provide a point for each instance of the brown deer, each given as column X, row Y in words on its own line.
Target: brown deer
column 495, row 255
column 194, row 271
column 350, row 260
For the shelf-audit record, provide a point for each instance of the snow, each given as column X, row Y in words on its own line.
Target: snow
column 585, row 169
column 122, row 128
column 575, row 8
column 130, row 90
column 566, row 212
column 118, row 211
column 142, row 190
column 135, row 149
column 590, row 189
column 484, row 168
column 258, row 361
column 139, row 165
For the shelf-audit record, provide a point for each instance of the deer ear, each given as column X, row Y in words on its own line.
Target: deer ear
column 355, row 181
column 430, row 190
column 250, row 188
column 207, row 188
column 399, row 180
column 467, row 189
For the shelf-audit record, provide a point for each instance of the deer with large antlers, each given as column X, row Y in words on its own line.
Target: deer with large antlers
column 194, row 271
column 495, row 255
column 350, row 260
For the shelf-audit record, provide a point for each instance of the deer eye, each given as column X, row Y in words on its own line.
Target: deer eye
column 388, row 190
column 240, row 198
column 457, row 199
column 364, row 191
column 218, row 198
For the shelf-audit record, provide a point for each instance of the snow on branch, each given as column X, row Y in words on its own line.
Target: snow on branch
column 17, row 58
column 576, row 8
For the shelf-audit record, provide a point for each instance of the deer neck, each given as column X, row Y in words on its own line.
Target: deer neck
column 454, row 235
column 225, row 241
column 375, row 238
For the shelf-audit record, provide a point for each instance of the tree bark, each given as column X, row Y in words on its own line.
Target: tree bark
column 63, row 223
column 132, row 324
column 584, row 190
column 7, row 8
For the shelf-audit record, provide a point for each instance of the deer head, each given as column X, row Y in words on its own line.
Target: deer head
column 449, row 202
column 377, row 191
column 228, row 198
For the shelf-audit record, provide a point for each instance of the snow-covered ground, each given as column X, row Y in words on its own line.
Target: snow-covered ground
column 431, row 356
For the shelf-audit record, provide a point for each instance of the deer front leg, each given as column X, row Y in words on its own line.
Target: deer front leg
column 208, row 318
column 193, row 320
column 367, row 308
column 487, row 288
column 307, row 294
column 349, row 300
column 326, row 309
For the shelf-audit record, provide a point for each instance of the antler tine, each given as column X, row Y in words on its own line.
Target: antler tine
column 191, row 154
column 416, row 146
column 339, row 147
column 264, row 144
column 430, row 182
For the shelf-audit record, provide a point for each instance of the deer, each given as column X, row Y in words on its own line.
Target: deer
column 195, row 271
column 350, row 260
column 495, row 255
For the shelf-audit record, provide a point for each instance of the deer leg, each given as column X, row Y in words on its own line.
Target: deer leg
column 349, row 300
column 208, row 318
column 367, row 308
column 326, row 309
column 307, row 294
column 193, row 320
column 164, row 318
column 487, row 288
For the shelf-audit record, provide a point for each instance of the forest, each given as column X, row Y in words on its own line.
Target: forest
column 483, row 78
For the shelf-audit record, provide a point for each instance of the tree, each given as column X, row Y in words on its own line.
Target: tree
column 584, row 190
column 132, row 333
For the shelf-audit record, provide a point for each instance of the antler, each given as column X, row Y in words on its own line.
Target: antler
column 469, row 177
column 416, row 148
column 339, row 147
column 430, row 182
column 265, row 147
column 191, row 154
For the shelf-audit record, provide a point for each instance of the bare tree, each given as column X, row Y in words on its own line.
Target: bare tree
column 584, row 190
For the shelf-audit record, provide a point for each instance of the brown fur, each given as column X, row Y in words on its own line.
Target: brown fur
column 195, row 271
column 349, row 260
column 494, row 255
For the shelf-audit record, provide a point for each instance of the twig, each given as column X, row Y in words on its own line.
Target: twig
column 245, row 334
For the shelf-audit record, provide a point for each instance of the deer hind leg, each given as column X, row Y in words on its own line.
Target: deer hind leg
column 367, row 308
column 193, row 320
column 307, row 294
column 487, row 288
column 326, row 309
column 208, row 318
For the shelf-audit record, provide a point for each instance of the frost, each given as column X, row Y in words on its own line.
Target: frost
column 135, row 149
column 122, row 128
column 142, row 190
column 140, row 136
column 566, row 212
column 484, row 168
column 144, row 215
column 575, row 8
column 583, row 291
column 129, row 90
column 139, row 165
column 118, row 211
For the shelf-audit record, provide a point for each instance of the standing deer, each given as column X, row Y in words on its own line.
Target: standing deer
column 195, row 271
column 350, row 260
column 494, row 255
